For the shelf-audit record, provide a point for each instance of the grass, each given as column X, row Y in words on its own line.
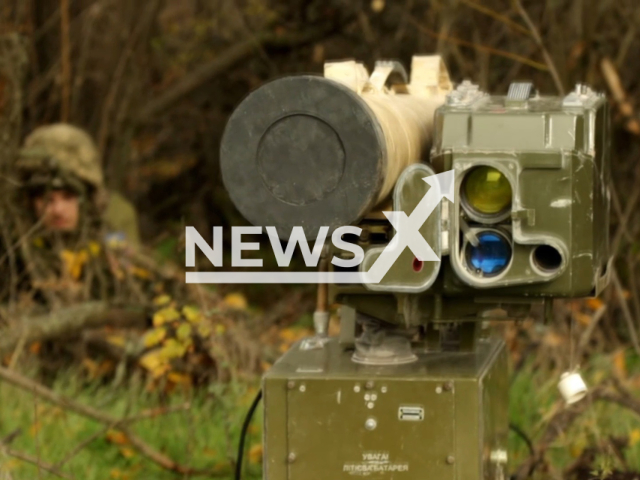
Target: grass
column 204, row 436
column 207, row 434
column 533, row 395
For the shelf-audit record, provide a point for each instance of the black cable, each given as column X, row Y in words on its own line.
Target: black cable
column 243, row 434
column 523, row 436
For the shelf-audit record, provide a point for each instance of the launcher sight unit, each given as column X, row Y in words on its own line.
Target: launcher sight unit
column 416, row 384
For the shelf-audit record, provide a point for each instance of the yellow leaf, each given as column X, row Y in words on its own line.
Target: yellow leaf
column 91, row 366
column 155, row 362
column 165, row 315
column 204, row 330
column 184, row 332
column 161, row 300
column 35, row 428
column 236, row 300
column 209, row 452
column 254, row 429
column 172, row 349
column 179, row 378
column 117, row 474
column 594, row 303
column 288, row 334
column 117, row 340
column 127, row 452
column 634, row 436
column 255, row 454
column 94, row 249
column 599, row 375
column 154, row 336
column 140, row 272
column 620, row 363
column 117, row 437
column 583, row 319
column 118, row 272
column 192, row 314
column 74, row 261
column 576, row 450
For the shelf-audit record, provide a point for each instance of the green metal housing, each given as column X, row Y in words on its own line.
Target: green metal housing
column 554, row 151
column 444, row 416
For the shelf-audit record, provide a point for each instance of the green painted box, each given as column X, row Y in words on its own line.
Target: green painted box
column 441, row 417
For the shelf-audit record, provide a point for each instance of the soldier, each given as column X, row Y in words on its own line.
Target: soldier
column 63, row 161
column 63, row 217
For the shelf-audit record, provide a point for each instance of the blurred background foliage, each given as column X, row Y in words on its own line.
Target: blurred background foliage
column 155, row 81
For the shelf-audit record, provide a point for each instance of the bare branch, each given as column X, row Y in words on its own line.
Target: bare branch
column 481, row 48
column 140, row 445
column 34, row 461
column 536, row 35
column 68, row 321
column 222, row 63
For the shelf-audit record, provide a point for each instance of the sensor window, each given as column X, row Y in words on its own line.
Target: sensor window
column 486, row 192
column 491, row 255
column 547, row 258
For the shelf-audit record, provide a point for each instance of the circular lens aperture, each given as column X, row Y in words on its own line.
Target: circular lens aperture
column 487, row 191
column 492, row 254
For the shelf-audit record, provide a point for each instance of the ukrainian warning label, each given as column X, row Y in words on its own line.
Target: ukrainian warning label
column 374, row 463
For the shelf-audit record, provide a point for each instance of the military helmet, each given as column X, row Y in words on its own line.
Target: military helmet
column 60, row 155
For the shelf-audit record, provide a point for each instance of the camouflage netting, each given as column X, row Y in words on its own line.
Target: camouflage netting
column 179, row 336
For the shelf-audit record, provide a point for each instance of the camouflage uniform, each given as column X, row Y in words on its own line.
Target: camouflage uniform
column 67, row 155
column 48, row 269
column 59, row 268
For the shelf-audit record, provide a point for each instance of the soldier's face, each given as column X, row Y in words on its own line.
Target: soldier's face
column 59, row 210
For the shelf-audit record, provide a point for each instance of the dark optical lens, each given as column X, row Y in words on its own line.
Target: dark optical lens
column 492, row 254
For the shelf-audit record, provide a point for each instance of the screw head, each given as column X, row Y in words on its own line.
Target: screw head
column 450, row 459
column 448, row 386
column 303, row 388
column 291, row 457
column 370, row 424
column 369, row 385
column 291, row 384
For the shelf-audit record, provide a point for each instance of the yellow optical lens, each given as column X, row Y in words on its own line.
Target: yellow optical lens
column 487, row 191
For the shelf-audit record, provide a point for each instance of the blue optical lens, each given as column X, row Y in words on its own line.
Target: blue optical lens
column 492, row 254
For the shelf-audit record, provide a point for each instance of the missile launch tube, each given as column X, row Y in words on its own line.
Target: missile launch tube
column 310, row 151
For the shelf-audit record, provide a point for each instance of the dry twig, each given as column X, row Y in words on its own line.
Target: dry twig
column 223, row 62
column 34, row 461
column 536, row 35
column 140, row 445
column 69, row 321
column 611, row 76
column 626, row 313
column 65, row 49
column 565, row 417
column 481, row 48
